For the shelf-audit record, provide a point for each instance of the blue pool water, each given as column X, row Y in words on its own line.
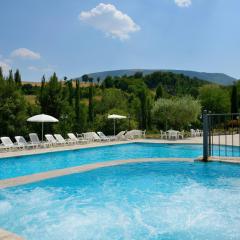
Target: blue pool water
column 19, row 166
column 150, row 201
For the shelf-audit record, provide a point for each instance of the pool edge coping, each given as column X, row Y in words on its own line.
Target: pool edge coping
column 28, row 179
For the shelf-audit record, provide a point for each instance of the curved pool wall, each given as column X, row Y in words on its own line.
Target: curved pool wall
column 152, row 201
column 26, row 165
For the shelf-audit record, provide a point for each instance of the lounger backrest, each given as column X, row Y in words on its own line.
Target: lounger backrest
column 59, row 138
column 95, row 136
column 101, row 135
column 34, row 138
column 7, row 142
column 72, row 136
column 21, row 140
column 50, row 138
column 120, row 134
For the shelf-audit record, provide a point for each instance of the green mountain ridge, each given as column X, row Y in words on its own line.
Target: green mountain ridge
column 219, row 78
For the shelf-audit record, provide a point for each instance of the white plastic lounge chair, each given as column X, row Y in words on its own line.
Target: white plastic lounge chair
column 121, row 136
column 134, row 134
column 92, row 136
column 35, row 140
column 8, row 144
column 51, row 140
column 74, row 139
column 61, row 140
column 107, row 138
column 22, row 142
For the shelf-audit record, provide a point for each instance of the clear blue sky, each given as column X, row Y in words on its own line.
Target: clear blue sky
column 73, row 37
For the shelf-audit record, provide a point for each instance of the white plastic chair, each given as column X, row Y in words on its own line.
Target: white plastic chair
column 73, row 138
column 104, row 137
column 8, row 144
column 21, row 141
column 163, row 134
column 193, row 133
column 51, row 140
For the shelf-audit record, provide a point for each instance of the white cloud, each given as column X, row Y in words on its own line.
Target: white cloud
column 5, row 67
column 25, row 53
column 39, row 69
column 111, row 21
column 183, row 3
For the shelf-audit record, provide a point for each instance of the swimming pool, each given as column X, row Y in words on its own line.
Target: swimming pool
column 177, row 200
column 25, row 165
column 19, row 166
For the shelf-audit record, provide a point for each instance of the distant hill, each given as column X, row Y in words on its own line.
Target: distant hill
column 219, row 78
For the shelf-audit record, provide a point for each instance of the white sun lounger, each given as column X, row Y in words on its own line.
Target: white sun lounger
column 92, row 136
column 73, row 138
column 60, row 139
column 51, row 140
column 121, row 136
column 104, row 137
column 35, row 140
column 22, row 142
column 8, row 144
column 134, row 134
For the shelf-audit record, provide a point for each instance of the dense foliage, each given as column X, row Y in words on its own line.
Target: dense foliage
column 175, row 112
column 156, row 101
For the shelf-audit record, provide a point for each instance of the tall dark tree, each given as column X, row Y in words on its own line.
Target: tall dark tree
column 10, row 78
column 17, row 78
column 1, row 73
column 90, row 102
column 159, row 92
column 77, row 107
column 234, row 99
column 42, row 99
column 70, row 92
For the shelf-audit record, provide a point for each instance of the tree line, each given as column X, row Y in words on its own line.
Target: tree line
column 160, row 100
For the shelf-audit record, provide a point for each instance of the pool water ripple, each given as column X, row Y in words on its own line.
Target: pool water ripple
column 167, row 200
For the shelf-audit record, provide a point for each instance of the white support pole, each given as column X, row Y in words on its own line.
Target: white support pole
column 42, row 130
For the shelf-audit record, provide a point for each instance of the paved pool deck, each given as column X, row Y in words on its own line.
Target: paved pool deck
column 6, row 235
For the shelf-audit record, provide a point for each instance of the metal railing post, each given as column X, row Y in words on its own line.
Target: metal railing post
column 205, row 136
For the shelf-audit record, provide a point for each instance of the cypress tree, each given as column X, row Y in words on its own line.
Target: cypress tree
column 1, row 74
column 70, row 92
column 41, row 98
column 234, row 99
column 17, row 78
column 77, row 107
column 90, row 102
column 10, row 78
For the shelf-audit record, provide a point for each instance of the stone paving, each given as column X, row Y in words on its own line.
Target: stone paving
column 5, row 235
